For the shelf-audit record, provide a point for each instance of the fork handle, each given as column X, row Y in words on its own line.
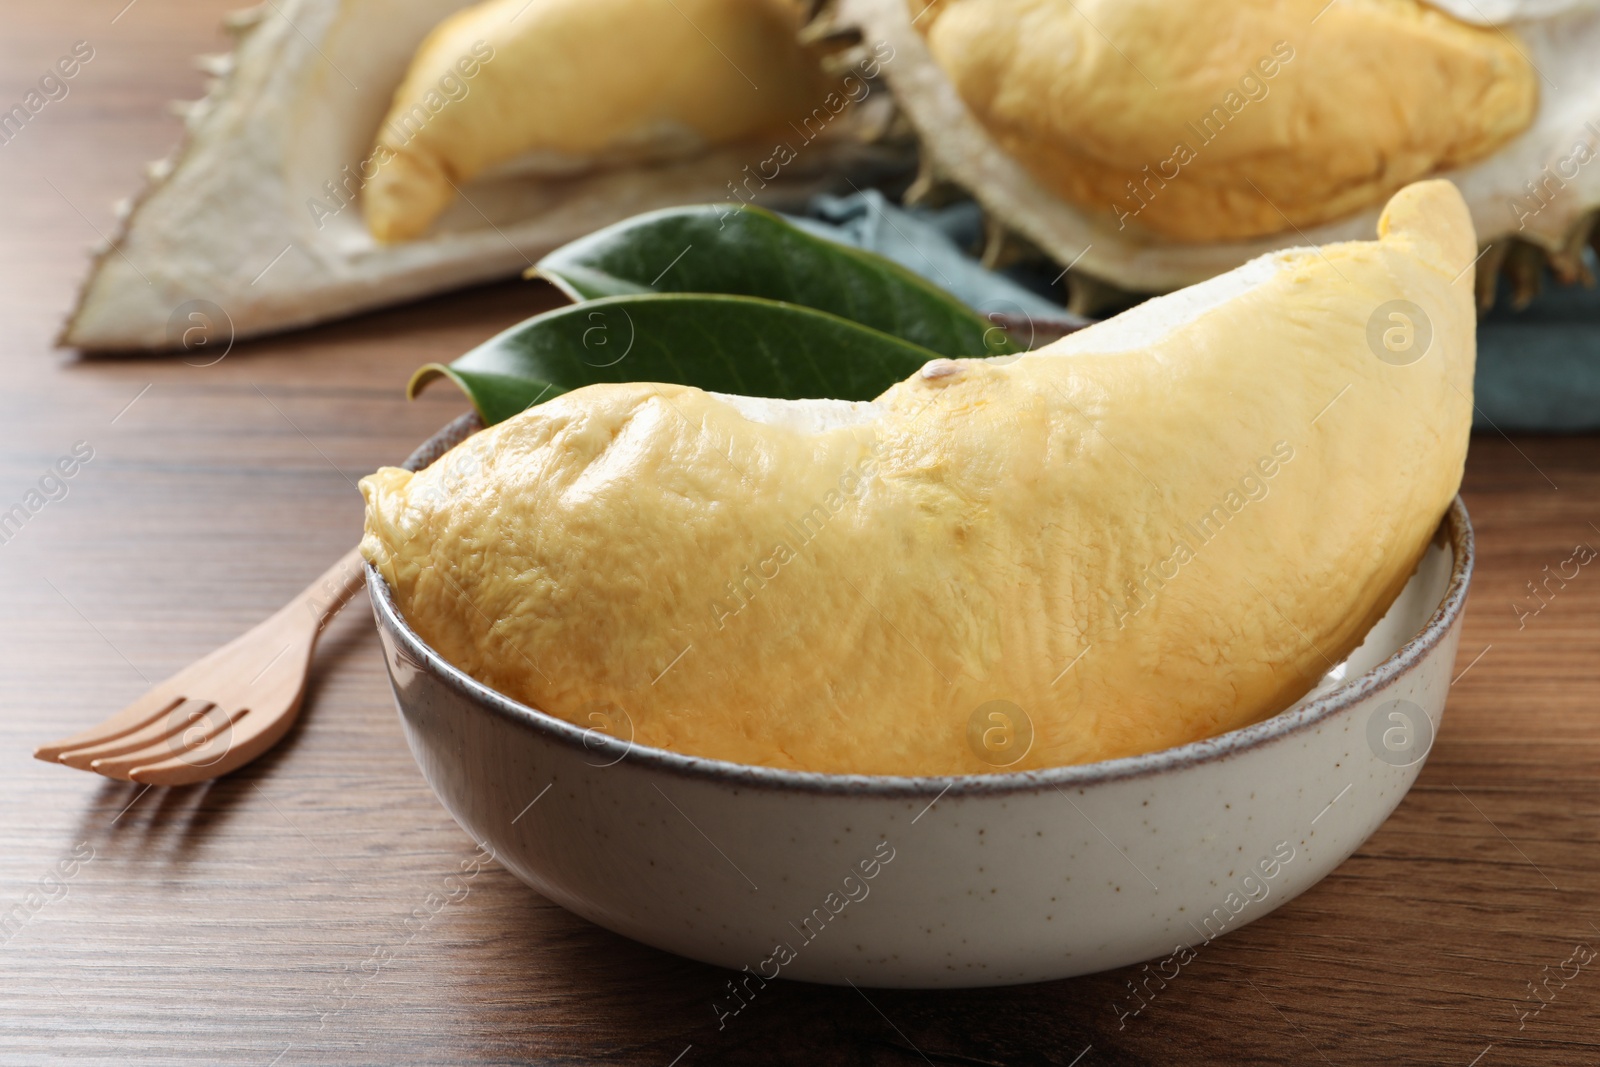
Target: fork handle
column 331, row 591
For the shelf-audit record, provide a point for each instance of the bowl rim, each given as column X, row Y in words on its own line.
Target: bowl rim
column 1455, row 526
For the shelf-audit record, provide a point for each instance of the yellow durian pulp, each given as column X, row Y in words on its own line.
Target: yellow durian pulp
column 1165, row 526
column 568, row 86
column 1198, row 122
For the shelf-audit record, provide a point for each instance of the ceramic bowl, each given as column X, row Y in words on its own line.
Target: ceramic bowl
column 941, row 881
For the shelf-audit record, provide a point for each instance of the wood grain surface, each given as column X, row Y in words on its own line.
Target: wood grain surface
column 237, row 923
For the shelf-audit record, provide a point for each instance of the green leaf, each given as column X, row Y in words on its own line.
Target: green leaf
column 726, row 344
column 752, row 252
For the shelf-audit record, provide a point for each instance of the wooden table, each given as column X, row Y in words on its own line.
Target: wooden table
column 236, row 923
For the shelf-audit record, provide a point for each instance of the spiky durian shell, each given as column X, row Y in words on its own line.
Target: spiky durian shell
column 226, row 219
column 1554, row 224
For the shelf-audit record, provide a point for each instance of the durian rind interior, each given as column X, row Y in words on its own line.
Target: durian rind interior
column 258, row 214
column 1165, row 526
column 1537, row 187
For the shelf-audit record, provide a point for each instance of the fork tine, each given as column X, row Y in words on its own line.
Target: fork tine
column 178, row 771
column 199, row 742
column 162, row 727
column 136, row 716
column 152, row 734
column 251, row 735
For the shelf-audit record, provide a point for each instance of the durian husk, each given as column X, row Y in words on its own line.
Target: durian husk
column 1560, row 37
column 226, row 217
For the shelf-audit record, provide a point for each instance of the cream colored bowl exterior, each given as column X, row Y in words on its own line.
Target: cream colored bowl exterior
column 974, row 881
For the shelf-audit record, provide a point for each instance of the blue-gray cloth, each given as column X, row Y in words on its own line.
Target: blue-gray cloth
column 929, row 243
column 1538, row 369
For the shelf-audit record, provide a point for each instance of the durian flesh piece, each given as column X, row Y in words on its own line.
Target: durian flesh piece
column 257, row 216
column 1113, row 78
column 563, row 87
column 1165, row 526
column 1207, row 122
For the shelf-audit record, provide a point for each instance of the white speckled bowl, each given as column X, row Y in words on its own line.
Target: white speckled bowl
column 953, row 881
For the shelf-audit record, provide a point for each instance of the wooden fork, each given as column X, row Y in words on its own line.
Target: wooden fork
column 223, row 711
column 216, row 715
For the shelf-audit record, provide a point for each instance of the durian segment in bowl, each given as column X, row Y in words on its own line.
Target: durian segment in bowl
column 1163, row 527
column 258, row 215
column 1536, row 186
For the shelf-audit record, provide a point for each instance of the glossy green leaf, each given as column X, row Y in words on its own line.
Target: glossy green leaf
column 727, row 344
column 751, row 252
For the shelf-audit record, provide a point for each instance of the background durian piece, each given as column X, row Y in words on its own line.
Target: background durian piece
column 1515, row 193
column 1206, row 122
column 840, row 587
column 578, row 85
column 257, row 210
